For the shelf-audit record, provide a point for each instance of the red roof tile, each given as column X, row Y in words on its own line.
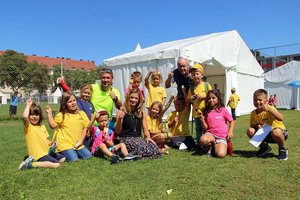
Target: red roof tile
column 67, row 63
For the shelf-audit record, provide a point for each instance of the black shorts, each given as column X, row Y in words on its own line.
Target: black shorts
column 54, row 159
column 12, row 110
column 269, row 138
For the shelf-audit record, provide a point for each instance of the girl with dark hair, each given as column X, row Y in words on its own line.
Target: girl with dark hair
column 37, row 142
column 214, row 120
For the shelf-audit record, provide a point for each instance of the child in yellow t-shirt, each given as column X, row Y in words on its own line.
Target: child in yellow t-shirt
column 178, row 120
column 70, row 126
column 155, row 91
column 233, row 102
column 266, row 114
column 197, row 95
column 155, row 124
column 37, row 141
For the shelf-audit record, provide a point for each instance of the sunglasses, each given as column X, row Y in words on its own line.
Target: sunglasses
column 105, row 70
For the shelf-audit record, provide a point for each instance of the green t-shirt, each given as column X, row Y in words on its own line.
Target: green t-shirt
column 101, row 99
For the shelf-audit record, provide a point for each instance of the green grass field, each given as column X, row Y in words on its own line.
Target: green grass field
column 189, row 176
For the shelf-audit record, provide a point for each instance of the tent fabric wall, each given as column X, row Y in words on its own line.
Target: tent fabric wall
column 227, row 60
column 277, row 80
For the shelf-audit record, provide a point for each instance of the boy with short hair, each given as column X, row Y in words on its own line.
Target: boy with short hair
column 266, row 114
column 197, row 95
column 103, row 140
column 233, row 102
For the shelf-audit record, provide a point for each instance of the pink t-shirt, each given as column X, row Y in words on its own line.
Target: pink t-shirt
column 217, row 122
column 98, row 134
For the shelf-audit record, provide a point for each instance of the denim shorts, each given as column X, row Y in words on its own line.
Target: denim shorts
column 73, row 155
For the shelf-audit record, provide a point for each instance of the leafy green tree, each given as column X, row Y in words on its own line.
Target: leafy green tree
column 17, row 73
column 13, row 68
column 76, row 78
column 40, row 78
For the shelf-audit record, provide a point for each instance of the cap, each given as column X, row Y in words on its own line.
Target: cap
column 102, row 112
column 233, row 89
column 196, row 66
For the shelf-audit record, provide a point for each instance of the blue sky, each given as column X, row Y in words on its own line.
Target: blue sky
column 96, row 30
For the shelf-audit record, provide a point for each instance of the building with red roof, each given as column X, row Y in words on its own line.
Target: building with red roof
column 68, row 63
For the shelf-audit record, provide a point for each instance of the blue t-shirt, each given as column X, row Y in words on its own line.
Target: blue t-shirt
column 14, row 100
column 86, row 107
column 180, row 80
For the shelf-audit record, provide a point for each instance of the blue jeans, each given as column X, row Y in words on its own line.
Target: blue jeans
column 73, row 155
column 199, row 129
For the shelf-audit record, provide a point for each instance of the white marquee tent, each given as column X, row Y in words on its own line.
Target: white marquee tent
column 227, row 59
column 53, row 98
column 3, row 98
column 277, row 80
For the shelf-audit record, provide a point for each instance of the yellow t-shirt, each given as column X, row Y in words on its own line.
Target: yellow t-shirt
column 153, row 124
column 265, row 118
column 233, row 100
column 199, row 103
column 69, row 129
column 36, row 141
column 102, row 100
column 155, row 94
column 181, row 127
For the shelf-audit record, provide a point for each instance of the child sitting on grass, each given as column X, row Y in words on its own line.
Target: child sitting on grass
column 214, row 120
column 37, row 141
column 104, row 140
column 178, row 124
column 70, row 126
column 267, row 114
column 84, row 104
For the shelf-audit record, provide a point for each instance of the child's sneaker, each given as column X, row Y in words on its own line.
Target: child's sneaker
column 130, row 157
column 27, row 163
column 263, row 150
column 209, row 151
column 115, row 159
column 283, row 154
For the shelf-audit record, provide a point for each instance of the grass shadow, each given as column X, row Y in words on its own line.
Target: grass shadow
column 251, row 154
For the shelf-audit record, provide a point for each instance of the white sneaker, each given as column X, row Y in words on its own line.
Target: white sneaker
column 26, row 164
column 182, row 146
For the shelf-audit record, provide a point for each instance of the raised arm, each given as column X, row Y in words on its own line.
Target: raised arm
column 273, row 111
column 169, row 80
column 63, row 84
column 168, row 104
column 119, row 121
column 25, row 114
column 202, row 119
column 115, row 98
column 147, row 78
column 51, row 121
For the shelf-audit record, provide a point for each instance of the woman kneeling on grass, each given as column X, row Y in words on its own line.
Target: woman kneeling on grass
column 37, row 143
column 130, row 121
column 70, row 126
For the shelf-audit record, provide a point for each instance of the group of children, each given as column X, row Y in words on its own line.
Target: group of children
column 76, row 136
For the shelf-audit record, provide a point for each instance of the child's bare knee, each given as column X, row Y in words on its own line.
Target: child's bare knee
column 250, row 132
column 221, row 154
